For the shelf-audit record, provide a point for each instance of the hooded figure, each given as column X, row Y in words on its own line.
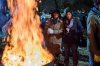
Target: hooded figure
column 93, row 34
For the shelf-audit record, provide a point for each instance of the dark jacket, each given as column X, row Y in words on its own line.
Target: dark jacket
column 93, row 31
column 75, row 31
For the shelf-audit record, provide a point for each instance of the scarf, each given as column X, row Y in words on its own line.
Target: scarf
column 69, row 24
column 95, row 10
column 55, row 20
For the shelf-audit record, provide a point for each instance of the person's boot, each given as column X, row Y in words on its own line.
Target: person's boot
column 74, row 63
column 67, row 63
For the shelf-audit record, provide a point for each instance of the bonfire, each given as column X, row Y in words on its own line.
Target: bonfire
column 26, row 39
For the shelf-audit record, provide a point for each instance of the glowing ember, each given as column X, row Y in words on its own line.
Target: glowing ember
column 26, row 48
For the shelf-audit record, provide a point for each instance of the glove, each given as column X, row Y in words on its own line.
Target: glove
column 50, row 31
column 97, row 56
column 67, row 30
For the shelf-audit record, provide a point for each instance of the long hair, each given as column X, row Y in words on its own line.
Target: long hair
column 66, row 13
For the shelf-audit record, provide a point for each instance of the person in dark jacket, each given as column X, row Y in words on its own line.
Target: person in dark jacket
column 72, row 30
column 93, row 34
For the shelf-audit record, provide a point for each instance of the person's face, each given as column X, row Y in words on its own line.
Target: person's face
column 56, row 15
column 68, row 15
column 98, row 6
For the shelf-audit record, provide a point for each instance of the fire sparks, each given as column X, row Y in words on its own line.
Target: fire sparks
column 26, row 48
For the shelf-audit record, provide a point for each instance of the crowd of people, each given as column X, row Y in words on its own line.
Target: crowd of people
column 67, row 32
column 63, row 34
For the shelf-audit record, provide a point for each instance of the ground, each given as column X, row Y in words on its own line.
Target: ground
column 83, row 56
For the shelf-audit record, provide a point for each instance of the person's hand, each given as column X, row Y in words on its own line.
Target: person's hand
column 67, row 30
column 97, row 56
column 50, row 31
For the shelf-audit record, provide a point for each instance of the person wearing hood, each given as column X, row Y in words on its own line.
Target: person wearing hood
column 93, row 34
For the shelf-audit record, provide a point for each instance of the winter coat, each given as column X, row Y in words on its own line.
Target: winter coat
column 93, row 31
column 54, row 40
column 75, row 31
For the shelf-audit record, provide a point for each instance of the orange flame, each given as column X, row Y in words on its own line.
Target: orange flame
column 26, row 48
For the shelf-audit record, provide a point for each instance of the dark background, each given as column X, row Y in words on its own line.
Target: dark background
column 82, row 5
